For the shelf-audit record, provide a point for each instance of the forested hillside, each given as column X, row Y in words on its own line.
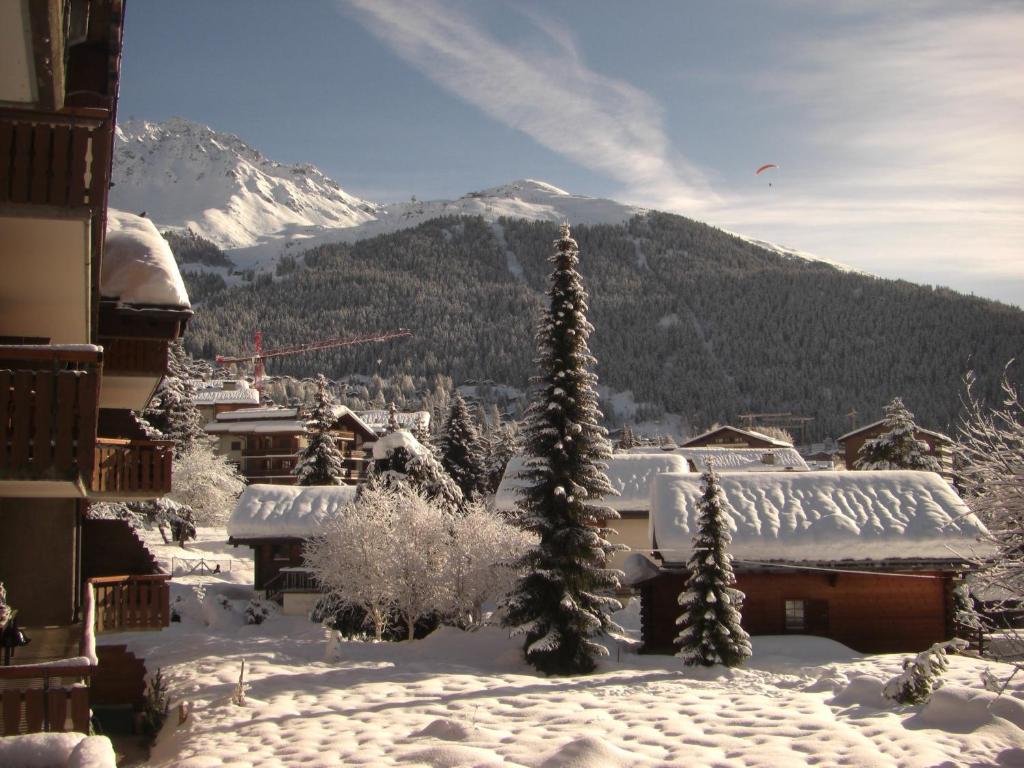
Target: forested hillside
column 692, row 320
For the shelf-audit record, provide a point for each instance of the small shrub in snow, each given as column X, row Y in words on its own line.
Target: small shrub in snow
column 257, row 611
column 922, row 674
column 241, row 687
column 155, row 707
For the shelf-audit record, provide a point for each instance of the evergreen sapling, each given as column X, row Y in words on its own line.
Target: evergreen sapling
column 897, row 447
column 320, row 462
column 711, row 632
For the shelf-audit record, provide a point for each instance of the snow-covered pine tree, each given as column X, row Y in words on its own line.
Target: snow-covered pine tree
column 897, row 447
column 401, row 462
column 711, row 632
column 171, row 413
column 505, row 443
column 320, row 462
column 627, row 441
column 393, row 425
column 563, row 600
column 462, row 453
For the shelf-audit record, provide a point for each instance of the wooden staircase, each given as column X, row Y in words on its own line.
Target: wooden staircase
column 119, row 679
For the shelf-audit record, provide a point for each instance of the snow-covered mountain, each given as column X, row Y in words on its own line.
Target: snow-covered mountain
column 183, row 174
column 186, row 175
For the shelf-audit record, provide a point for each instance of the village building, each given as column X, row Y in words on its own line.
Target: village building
column 631, row 474
column 90, row 300
column 734, row 437
column 868, row 559
column 939, row 445
column 223, row 396
column 265, row 442
column 276, row 521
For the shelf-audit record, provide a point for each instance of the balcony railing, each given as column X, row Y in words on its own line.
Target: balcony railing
column 134, row 357
column 48, row 408
column 129, row 603
column 132, row 467
column 57, row 160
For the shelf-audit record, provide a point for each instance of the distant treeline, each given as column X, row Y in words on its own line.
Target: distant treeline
column 692, row 320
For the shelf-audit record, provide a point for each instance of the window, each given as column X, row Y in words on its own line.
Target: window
column 796, row 615
column 236, row 445
column 279, row 551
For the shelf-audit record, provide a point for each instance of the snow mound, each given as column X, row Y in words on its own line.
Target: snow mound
column 592, row 752
column 446, row 729
column 138, row 266
column 401, row 438
column 454, row 756
column 49, row 750
column 807, row 649
column 637, row 568
column 822, row 516
column 961, row 709
column 861, row 691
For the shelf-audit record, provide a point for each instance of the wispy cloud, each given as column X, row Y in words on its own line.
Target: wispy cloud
column 599, row 122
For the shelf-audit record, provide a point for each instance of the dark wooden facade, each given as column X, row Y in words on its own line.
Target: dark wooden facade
column 271, row 555
column 869, row 612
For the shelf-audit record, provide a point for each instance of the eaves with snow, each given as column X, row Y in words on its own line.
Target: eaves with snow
column 138, row 267
column 631, row 474
column 287, row 511
column 822, row 517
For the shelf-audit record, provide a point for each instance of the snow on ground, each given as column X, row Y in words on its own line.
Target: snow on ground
column 468, row 699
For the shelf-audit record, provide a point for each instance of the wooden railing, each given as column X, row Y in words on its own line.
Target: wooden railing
column 129, row 603
column 50, row 159
column 48, row 408
column 132, row 467
column 134, row 357
column 291, row 580
column 45, row 697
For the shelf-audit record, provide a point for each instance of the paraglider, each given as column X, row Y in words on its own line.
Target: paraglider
column 764, row 168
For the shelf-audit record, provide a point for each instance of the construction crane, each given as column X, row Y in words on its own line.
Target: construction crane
column 259, row 354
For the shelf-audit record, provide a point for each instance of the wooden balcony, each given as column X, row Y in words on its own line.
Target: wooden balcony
column 59, row 160
column 45, row 697
column 131, row 603
column 131, row 468
column 48, row 411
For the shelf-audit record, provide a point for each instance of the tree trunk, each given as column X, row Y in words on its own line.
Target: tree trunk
column 411, row 622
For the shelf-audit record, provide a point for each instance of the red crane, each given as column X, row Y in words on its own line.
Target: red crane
column 259, row 354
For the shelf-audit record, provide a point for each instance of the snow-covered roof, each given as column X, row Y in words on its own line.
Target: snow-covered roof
column 239, row 396
column 874, row 424
column 744, row 459
column 287, row 511
column 379, row 419
column 631, row 474
column 288, row 426
column 251, row 414
column 822, row 516
column 138, row 266
column 399, row 439
column 341, row 410
column 745, row 432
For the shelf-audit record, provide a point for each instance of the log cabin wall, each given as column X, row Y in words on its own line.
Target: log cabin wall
column 870, row 613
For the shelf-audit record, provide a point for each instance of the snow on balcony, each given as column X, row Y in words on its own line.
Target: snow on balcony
column 138, row 266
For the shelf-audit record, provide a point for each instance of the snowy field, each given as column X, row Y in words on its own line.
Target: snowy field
column 468, row 699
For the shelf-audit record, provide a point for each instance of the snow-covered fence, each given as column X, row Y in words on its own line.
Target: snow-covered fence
column 186, row 566
column 131, row 602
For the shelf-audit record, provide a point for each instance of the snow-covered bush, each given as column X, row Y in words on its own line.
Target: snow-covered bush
column 257, row 611
column 482, row 554
column 6, row 612
column 922, row 674
column 206, row 482
column 399, row 459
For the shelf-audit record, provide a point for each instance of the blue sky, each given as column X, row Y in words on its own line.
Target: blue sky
column 897, row 126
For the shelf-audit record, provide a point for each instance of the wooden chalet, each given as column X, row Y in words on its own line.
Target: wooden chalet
column 265, row 442
column 939, row 445
column 631, row 474
column 223, row 396
column 734, row 437
column 276, row 521
column 868, row 559
column 88, row 306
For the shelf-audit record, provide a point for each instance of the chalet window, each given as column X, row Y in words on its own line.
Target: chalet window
column 279, row 551
column 796, row 615
column 236, row 445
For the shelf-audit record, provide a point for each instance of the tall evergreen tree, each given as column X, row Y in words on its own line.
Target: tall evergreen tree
column 320, row 462
column 562, row 602
column 711, row 632
column 172, row 414
column 897, row 447
column 462, row 453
